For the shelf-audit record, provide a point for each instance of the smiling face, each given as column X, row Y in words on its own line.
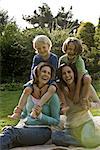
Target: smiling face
column 67, row 75
column 43, row 49
column 44, row 75
column 71, row 50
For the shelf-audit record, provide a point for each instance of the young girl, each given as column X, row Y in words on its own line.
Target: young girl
column 72, row 48
column 42, row 45
column 39, row 93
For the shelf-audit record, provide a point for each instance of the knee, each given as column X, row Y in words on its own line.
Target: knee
column 87, row 80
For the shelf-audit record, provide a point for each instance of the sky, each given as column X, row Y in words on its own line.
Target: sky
column 83, row 10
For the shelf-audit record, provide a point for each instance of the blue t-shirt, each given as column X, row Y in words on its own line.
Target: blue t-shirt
column 52, row 60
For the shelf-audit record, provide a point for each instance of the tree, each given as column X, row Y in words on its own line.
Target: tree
column 97, row 36
column 86, row 33
column 42, row 19
column 3, row 19
column 13, row 54
column 65, row 19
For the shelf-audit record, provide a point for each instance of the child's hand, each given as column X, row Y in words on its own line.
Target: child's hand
column 75, row 99
column 36, row 111
column 85, row 103
column 64, row 110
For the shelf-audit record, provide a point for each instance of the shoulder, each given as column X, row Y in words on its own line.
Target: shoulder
column 79, row 59
column 52, row 55
column 63, row 58
column 36, row 56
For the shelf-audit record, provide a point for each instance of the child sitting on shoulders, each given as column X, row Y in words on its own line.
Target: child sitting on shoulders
column 72, row 48
column 42, row 45
column 40, row 93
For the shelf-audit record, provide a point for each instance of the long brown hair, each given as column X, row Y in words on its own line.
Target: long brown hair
column 59, row 72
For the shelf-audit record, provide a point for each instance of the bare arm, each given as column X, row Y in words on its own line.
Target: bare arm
column 37, row 108
column 78, row 87
column 51, row 90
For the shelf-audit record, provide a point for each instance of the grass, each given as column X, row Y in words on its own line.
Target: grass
column 9, row 99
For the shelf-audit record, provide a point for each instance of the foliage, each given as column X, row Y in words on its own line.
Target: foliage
column 97, row 36
column 11, row 86
column 86, row 33
column 14, row 60
column 3, row 19
column 58, row 37
column 16, row 51
column 90, row 38
column 44, row 18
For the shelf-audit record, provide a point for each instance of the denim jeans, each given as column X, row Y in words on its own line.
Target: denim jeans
column 25, row 136
column 64, row 138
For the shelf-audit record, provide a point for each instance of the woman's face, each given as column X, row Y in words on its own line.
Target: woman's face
column 44, row 75
column 67, row 75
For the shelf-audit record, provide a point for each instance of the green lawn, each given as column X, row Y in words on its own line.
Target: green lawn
column 9, row 99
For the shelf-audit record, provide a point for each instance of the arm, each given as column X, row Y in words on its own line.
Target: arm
column 51, row 115
column 37, row 108
column 77, row 90
column 64, row 106
column 51, row 90
column 80, row 65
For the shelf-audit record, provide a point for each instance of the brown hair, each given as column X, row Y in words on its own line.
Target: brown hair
column 40, row 66
column 59, row 72
column 76, row 42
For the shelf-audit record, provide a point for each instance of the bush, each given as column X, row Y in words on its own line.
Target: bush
column 11, row 86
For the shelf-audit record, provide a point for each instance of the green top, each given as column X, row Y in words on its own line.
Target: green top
column 79, row 63
column 50, row 112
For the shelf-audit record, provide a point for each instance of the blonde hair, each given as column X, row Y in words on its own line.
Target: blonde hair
column 41, row 39
column 76, row 42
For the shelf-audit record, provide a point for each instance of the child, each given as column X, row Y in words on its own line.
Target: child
column 42, row 44
column 72, row 48
column 43, row 73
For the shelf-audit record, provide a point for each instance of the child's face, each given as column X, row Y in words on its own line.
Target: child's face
column 71, row 50
column 43, row 49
